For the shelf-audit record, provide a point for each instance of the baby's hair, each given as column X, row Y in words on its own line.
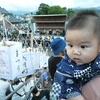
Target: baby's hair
column 85, row 19
column 87, row 12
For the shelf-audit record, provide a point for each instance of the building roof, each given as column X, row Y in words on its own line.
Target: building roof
column 23, row 16
column 3, row 11
column 13, row 19
column 49, row 15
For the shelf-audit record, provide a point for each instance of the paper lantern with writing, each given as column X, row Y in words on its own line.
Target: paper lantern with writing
column 42, row 59
column 36, row 59
column 28, row 68
column 10, row 59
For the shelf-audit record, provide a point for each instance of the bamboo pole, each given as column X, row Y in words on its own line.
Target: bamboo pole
column 4, row 19
column 9, row 22
column 42, row 78
column 32, row 50
column 31, row 40
column 34, row 77
column 18, row 29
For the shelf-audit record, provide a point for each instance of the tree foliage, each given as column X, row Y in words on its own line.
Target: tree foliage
column 15, row 33
column 43, row 9
column 57, row 10
column 32, row 20
column 70, row 12
column 10, row 14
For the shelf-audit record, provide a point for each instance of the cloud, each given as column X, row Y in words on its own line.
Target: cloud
column 64, row 3
column 26, row 5
column 32, row 5
column 87, row 3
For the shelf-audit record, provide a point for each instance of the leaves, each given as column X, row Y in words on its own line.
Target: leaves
column 70, row 12
column 56, row 10
column 45, row 9
column 15, row 33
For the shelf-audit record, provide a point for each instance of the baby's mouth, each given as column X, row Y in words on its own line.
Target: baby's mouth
column 77, row 60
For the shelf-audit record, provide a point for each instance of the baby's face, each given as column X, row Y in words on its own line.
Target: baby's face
column 82, row 46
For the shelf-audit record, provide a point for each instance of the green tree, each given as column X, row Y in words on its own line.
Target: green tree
column 31, row 13
column 32, row 20
column 15, row 33
column 70, row 12
column 10, row 14
column 64, row 8
column 43, row 9
column 57, row 10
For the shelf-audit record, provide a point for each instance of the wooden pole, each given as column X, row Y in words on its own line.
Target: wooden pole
column 5, row 29
column 32, row 40
column 42, row 79
column 32, row 50
column 9, row 22
column 4, row 19
column 34, row 77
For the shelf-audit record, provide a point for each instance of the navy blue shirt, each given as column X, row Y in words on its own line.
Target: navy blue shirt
column 69, row 77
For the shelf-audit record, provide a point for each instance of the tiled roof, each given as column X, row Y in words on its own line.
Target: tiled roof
column 13, row 19
column 3, row 11
column 23, row 16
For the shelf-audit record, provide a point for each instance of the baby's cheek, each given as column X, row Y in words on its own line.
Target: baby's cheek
column 69, row 54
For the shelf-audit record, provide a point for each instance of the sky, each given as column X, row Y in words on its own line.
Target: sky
column 32, row 5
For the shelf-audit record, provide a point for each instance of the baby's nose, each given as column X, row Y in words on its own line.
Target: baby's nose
column 76, row 52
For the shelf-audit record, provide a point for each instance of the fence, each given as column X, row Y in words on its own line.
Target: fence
column 22, row 86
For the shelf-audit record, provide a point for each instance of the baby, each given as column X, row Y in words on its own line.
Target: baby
column 81, row 64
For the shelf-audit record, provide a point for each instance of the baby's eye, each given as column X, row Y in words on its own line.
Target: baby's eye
column 70, row 45
column 83, row 47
